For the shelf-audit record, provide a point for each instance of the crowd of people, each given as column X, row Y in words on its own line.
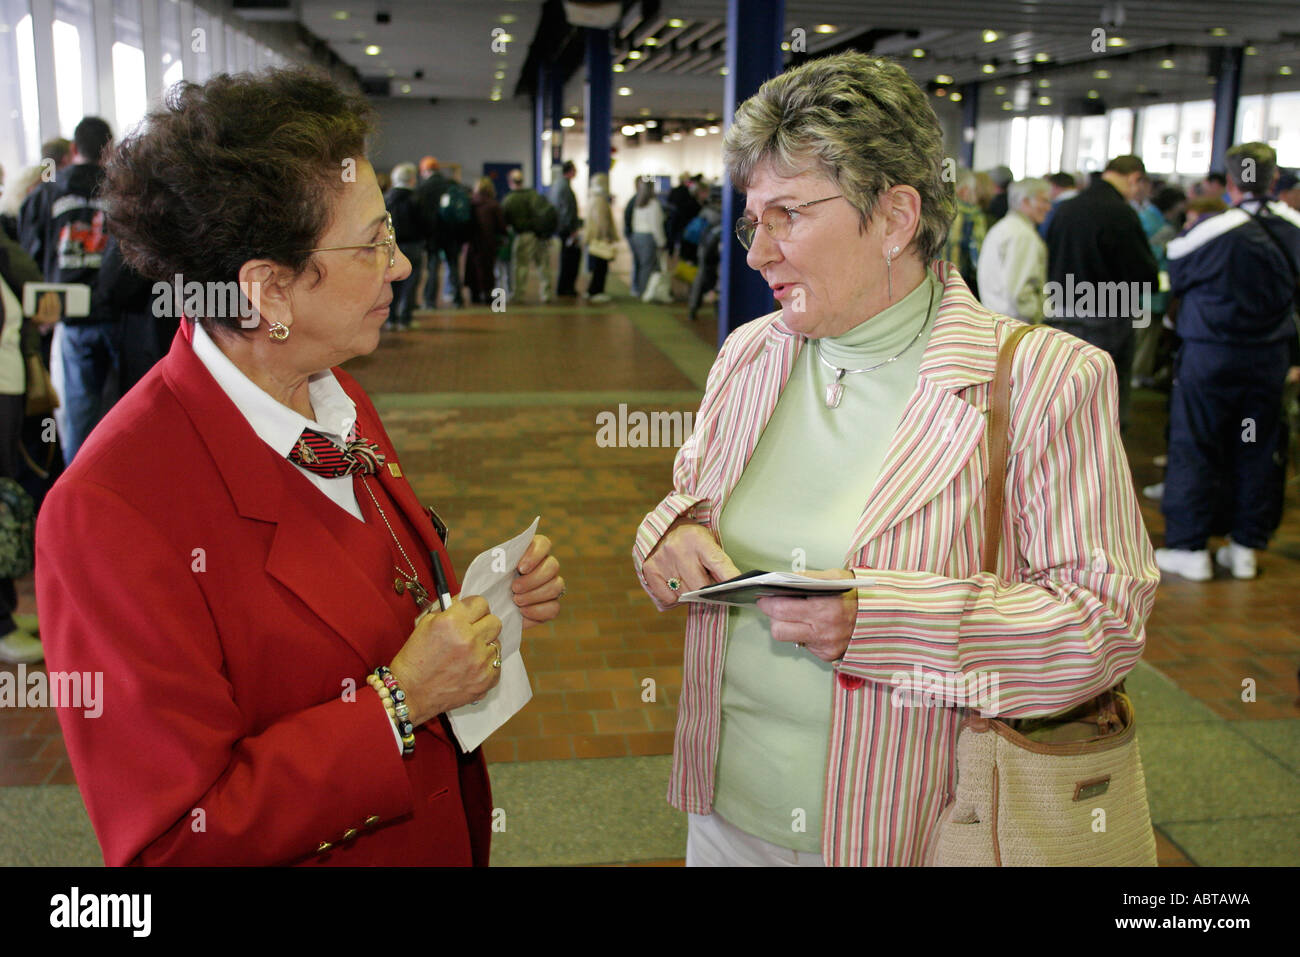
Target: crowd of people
column 1190, row 289
column 499, row 235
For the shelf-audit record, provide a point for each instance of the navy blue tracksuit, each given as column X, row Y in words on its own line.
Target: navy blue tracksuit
column 1236, row 322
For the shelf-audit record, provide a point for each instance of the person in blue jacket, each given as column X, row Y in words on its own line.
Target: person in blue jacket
column 1236, row 276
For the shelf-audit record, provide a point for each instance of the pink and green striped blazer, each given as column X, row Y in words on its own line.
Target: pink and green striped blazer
column 1061, row 622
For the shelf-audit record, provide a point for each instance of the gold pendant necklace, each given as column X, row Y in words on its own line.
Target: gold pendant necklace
column 402, row 583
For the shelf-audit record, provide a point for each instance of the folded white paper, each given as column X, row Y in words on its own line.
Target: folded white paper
column 491, row 574
column 748, row 588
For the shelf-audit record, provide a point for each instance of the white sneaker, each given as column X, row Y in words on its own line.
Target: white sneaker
column 1239, row 559
column 601, row 297
column 20, row 648
column 1155, row 492
column 1194, row 566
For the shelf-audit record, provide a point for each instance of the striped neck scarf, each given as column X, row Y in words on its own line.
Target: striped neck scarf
column 316, row 453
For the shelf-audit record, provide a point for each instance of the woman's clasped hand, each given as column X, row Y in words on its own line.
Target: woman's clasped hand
column 691, row 557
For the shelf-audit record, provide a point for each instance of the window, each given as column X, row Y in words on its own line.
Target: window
column 1195, row 137
column 1094, row 144
column 130, row 92
column 1121, row 133
column 67, row 76
column 1283, row 133
column 1159, row 146
column 21, row 145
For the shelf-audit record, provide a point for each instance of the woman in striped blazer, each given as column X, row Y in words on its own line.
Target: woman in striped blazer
column 843, row 437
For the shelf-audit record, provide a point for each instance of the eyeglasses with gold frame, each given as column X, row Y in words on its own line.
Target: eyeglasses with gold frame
column 390, row 242
column 777, row 220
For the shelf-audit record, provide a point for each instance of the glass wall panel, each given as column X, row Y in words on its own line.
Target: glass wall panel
column 20, row 144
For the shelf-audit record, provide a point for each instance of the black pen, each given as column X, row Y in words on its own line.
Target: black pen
column 440, row 581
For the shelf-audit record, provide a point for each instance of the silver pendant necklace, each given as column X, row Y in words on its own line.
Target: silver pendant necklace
column 835, row 391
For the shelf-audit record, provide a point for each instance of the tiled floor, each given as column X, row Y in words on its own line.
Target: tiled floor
column 495, row 418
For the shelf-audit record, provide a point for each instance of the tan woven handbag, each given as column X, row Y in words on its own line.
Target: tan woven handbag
column 1061, row 791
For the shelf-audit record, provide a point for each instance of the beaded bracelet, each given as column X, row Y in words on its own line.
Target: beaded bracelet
column 394, row 699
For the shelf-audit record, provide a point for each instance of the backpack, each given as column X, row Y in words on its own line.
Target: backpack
column 454, row 206
column 546, row 218
column 17, row 530
column 694, row 231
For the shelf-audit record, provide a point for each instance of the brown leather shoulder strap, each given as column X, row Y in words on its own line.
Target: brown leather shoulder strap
column 997, row 429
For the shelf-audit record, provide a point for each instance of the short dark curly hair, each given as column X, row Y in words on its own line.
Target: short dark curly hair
column 241, row 167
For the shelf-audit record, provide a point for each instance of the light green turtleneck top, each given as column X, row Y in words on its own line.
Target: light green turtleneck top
column 796, row 507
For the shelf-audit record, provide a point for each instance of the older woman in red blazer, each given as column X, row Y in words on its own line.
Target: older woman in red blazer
column 236, row 547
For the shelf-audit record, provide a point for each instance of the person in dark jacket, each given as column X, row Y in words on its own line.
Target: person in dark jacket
column 1236, row 276
column 683, row 206
column 442, row 240
column 56, row 155
column 73, row 240
column 567, row 230
column 408, row 226
column 487, row 230
column 1100, row 269
column 127, row 301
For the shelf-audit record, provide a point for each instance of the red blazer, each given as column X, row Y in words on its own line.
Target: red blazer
column 195, row 568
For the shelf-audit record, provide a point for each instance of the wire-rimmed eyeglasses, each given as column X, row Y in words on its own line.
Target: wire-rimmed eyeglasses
column 777, row 220
column 390, row 242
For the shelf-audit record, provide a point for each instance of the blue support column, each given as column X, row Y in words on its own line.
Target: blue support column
column 539, row 124
column 598, row 110
column 1227, row 94
column 754, row 31
column 557, row 113
column 970, row 112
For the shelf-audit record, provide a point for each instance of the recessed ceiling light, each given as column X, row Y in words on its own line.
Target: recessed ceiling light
column 1006, row 105
column 628, row 131
column 956, row 97
column 1218, row 32
column 1251, row 51
column 918, row 53
column 1093, row 94
column 506, row 38
column 651, row 124
column 373, row 50
column 624, row 91
column 634, row 54
column 701, row 131
column 1284, row 71
column 825, row 28
column 406, row 88
column 1102, row 74
column 1116, row 42
column 651, row 41
column 989, row 68
column 999, row 91
column 499, row 75
column 991, row 35
column 1044, row 101
column 640, row 127
column 724, row 72
column 619, row 68
column 1041, row 57
column 644, row 111
column 567, row 121
column 506, row 18
column 1044, row 83
column 786, row 46
column 1166, row 64
column 675, row 23
column 715, row 129
column 340, row 14
column 496, row 95
column 943, row 78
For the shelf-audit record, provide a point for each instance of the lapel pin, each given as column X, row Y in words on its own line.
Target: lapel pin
column 394, row 469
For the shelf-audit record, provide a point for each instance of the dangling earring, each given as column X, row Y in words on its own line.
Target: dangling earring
column 889, row 271
column 279, row 331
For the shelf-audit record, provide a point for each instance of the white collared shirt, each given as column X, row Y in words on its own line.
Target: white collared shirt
column 280, row 426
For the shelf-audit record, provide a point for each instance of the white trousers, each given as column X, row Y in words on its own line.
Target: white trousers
column 712, row 841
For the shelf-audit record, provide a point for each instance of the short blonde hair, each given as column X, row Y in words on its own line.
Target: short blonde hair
column 863, row 123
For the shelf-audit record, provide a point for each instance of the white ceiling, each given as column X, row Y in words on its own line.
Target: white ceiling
column 451, row 42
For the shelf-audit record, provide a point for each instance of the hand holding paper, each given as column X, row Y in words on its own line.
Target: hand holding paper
column 491, row 575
